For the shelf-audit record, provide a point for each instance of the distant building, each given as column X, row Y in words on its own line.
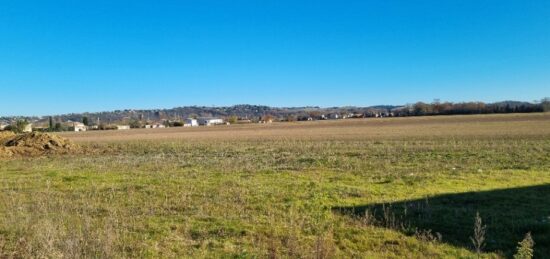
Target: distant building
column 28, row 128
column 122, row 127
column 334, row 116
column 156, row 125
column 190, row 123
column 77, row 126
column 3, row 126
column 208, row 121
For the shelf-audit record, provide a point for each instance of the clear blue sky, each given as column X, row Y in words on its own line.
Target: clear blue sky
column 75, row 56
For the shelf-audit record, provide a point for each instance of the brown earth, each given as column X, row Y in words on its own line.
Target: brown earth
column 34, row 144
column 5, row 135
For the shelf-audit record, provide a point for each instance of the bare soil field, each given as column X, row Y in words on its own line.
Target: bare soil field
column 370, row 128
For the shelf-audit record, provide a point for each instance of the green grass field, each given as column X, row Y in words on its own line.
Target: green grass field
column 387, row 191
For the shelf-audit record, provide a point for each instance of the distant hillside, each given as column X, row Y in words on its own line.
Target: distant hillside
column 254, row 112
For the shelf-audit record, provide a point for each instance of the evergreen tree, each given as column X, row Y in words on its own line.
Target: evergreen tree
column 50, row 125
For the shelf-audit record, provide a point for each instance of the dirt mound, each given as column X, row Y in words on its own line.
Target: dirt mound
column 5, row 135
column 35, row 144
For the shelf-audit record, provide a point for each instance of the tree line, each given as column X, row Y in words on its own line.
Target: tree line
column 449, row 108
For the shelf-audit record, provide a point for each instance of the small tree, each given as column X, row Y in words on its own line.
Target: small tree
column 50, row 124
column 545, row 103
column 525, row 248
column 85, row 121
column 19, row 126
column 58, row 127
column 315, row 115
column 135, row 124
column 232, row 119
column 478, row 240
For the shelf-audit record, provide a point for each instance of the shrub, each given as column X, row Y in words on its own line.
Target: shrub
column 18, row 127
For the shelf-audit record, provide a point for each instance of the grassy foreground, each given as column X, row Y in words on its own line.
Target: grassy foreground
column 365, row 196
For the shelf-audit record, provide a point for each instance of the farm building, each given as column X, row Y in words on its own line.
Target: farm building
column 77, row 126
column 28, row 128
column 122, row 127
column 190, row 123
column 207, row 121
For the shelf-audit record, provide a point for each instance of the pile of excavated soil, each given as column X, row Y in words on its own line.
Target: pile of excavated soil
column 5, row 135
column 34, row 144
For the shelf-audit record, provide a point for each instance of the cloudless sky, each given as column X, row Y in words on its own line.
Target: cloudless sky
column 76, row 56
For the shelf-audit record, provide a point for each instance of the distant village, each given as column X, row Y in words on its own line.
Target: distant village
column 86, row 124
column 195, row 116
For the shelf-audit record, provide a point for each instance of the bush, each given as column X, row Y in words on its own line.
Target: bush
column 18, row 127
column 135, row 124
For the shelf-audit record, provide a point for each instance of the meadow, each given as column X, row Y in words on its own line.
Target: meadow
column 364, row 188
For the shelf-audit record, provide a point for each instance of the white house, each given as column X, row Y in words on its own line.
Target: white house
column 208, row 121
column 122, row 127
column 28, row 128
column 190, row 123
column 77, row 126
column 3, row 125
